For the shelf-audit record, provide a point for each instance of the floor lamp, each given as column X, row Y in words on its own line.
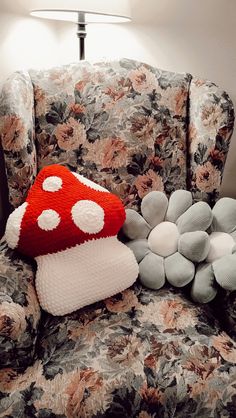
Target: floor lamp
column 82, row 12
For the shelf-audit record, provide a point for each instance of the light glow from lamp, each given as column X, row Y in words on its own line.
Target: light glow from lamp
column 82, row 12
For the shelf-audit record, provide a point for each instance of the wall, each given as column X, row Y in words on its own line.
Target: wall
column 179, row 35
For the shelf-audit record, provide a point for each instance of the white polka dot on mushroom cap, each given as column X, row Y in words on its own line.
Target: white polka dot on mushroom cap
column 13, row 227
column 48, row 220
column 88, row 216
column 90, row 183
column 52, row 184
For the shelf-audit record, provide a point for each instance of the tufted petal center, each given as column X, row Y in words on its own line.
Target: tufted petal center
column 163, row 239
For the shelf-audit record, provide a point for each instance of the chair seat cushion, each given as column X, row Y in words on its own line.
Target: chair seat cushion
column 139, row 354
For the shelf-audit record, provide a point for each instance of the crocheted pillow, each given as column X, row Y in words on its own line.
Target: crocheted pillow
column 180, row 241
column 219, row 268
column 168, row 238
column 69, row 225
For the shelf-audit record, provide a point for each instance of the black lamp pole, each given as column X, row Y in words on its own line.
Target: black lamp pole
column 81, row 33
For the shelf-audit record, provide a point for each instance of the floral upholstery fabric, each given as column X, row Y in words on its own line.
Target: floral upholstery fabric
column 139, row 354
column 17, row 135
column 142, row 353
column 123, row 124
column 211, row 116
column 19, row 310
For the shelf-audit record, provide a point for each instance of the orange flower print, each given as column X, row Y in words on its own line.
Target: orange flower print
column 109, row 153
column 212, row 116
column 84, row 380
column 156, row 161
column 41, row 106
column 124, row 349
column 207, row 177
column 201, row 361
column 193, row 138
column 143, row 80
column 7, row 379
column 143, row 128
column 225, row 346
column 199, row 82
column 13, row 133
column 114, row 153
column 12, row 320
column 175, row 315
column 180, row 101
column 77, row 108
column 150, row 361
column 217, row 155
column 80, row 85
column 124, row 302
column 60, row 77
column 151, row 396
column 148, row 182
column 70, row 135
column 114, row 94
column 212, row 392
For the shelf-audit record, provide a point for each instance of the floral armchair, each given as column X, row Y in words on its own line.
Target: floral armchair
column 132, row 128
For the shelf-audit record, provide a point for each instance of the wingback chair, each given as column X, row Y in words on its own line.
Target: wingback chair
column 131, row 128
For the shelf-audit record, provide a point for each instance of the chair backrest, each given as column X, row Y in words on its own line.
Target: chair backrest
column 126, row 125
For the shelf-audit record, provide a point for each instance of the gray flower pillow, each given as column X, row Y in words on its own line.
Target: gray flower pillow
column 219, row 267
column 180, row 242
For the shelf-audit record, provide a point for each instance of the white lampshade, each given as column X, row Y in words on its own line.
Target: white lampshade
column 93, row 11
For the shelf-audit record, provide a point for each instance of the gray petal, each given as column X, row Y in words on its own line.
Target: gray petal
column 153, row 207
column 135, row 227
column 179, row 202
column 139, row 247
column 179, row 270
column 197, row 218
column 194, row 245
column 204, row 287
column 151, row 271
column 224, row 215
column 225, row 272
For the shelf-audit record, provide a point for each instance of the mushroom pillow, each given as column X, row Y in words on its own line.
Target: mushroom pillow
column 169, row 238
column 69, row 225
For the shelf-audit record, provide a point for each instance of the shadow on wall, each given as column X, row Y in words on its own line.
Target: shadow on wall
column 20, row 7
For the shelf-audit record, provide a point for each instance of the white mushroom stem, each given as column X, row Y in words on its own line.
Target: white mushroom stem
column 70, row 279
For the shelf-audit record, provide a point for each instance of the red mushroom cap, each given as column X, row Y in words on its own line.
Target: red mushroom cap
column 64, row 209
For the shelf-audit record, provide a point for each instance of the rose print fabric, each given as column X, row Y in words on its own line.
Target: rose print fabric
column 122, row 124
column 141, row 354
column 211, row 123
column 17, row 135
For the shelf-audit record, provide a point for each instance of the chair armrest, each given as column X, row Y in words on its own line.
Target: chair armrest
column 211, row 122
column 17, row 135
column 19, row 309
